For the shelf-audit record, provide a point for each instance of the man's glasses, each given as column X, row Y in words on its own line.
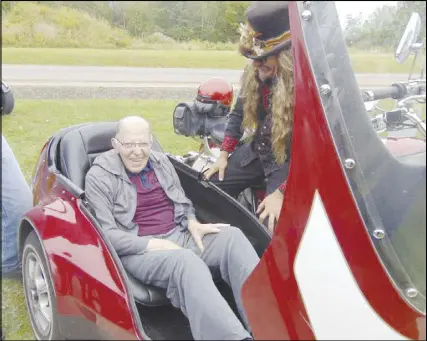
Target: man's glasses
column 133, row 145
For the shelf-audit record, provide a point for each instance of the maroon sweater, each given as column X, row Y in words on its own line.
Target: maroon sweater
column 154, row 211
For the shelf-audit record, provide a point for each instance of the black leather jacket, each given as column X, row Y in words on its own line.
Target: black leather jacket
column 261, row 144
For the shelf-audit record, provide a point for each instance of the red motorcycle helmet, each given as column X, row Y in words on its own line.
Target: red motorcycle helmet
column 214, row 97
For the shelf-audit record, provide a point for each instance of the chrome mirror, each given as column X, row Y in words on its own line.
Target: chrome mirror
column 409, row 41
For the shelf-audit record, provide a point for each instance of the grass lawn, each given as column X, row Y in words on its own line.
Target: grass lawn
column 362, row 62
column 28, row 128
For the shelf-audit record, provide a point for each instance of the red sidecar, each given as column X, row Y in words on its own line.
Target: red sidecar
column 347, row 259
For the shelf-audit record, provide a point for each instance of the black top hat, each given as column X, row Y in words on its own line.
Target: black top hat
column 266, row 31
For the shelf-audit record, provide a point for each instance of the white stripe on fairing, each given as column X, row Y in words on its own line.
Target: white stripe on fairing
column 336, row 307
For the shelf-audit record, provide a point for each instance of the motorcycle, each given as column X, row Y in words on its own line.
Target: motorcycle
column 402, row 129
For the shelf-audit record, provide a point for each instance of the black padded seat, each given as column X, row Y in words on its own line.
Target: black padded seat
column 146, row 294
column 78, row 149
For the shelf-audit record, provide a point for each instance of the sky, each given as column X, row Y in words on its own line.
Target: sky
column 354, row 7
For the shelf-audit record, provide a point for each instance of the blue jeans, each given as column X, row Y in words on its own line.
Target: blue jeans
column 16, row 200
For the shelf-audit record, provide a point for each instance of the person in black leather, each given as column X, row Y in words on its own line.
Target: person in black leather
column 265, row 104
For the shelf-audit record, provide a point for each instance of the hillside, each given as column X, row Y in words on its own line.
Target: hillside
column 29, row 24
column 35, row 25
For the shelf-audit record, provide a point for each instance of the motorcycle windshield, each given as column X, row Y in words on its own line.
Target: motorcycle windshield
column 390, row 192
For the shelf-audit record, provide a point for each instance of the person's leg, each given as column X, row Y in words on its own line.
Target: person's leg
column 16, row 200
column 230, row 252
column 236, row 177
column 189, row 286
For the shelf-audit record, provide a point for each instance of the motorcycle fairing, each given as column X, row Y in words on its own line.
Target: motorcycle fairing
column 326, row 139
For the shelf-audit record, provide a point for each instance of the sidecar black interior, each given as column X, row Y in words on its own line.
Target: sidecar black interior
column 74, row 150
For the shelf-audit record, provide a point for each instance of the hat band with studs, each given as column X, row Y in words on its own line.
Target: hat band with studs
column 280, row 39
column 249, row 38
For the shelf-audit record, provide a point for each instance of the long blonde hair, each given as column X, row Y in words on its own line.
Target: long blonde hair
column 282, row 93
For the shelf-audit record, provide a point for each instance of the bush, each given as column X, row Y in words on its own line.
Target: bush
column 159, row 37
column 27, row 24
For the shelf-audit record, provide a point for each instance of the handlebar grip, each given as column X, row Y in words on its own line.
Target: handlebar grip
column 395, row 91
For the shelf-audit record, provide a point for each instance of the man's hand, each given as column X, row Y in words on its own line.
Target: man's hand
column 156, row 244
column 270, row 207
column 198, row 230
column 218, row 166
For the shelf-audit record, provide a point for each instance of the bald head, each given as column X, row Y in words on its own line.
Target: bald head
column 133, row 124
column 133, row 142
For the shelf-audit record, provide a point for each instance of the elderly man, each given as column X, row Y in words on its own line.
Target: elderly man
column 139, row 201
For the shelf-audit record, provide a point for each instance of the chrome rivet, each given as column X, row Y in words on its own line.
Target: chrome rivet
column 306, row 15
column 63, row 192
column 325, row 89
column 379, row 234
column 349, row 163
column 411, row 292
column 72, row 198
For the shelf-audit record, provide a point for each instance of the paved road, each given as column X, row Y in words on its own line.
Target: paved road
column 134, row 77
column 78, row 82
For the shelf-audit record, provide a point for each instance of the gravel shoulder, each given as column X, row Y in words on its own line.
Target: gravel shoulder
column 65, row 92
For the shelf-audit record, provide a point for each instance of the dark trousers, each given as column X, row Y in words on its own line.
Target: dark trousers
column 237, row 178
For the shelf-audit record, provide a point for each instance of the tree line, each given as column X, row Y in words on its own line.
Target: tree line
column 218, row 21
column 384, row 27
column 214, row 21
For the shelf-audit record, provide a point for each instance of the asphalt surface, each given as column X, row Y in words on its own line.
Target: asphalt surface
column 73, row 82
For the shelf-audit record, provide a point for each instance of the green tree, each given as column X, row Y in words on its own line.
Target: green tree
column 385, row 26
column 215, row 21
column 406, row 8
column 6, row 5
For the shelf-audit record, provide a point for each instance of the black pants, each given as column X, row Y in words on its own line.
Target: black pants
column 237, row 178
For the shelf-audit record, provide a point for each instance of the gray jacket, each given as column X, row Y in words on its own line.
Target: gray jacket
column 113, row 197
